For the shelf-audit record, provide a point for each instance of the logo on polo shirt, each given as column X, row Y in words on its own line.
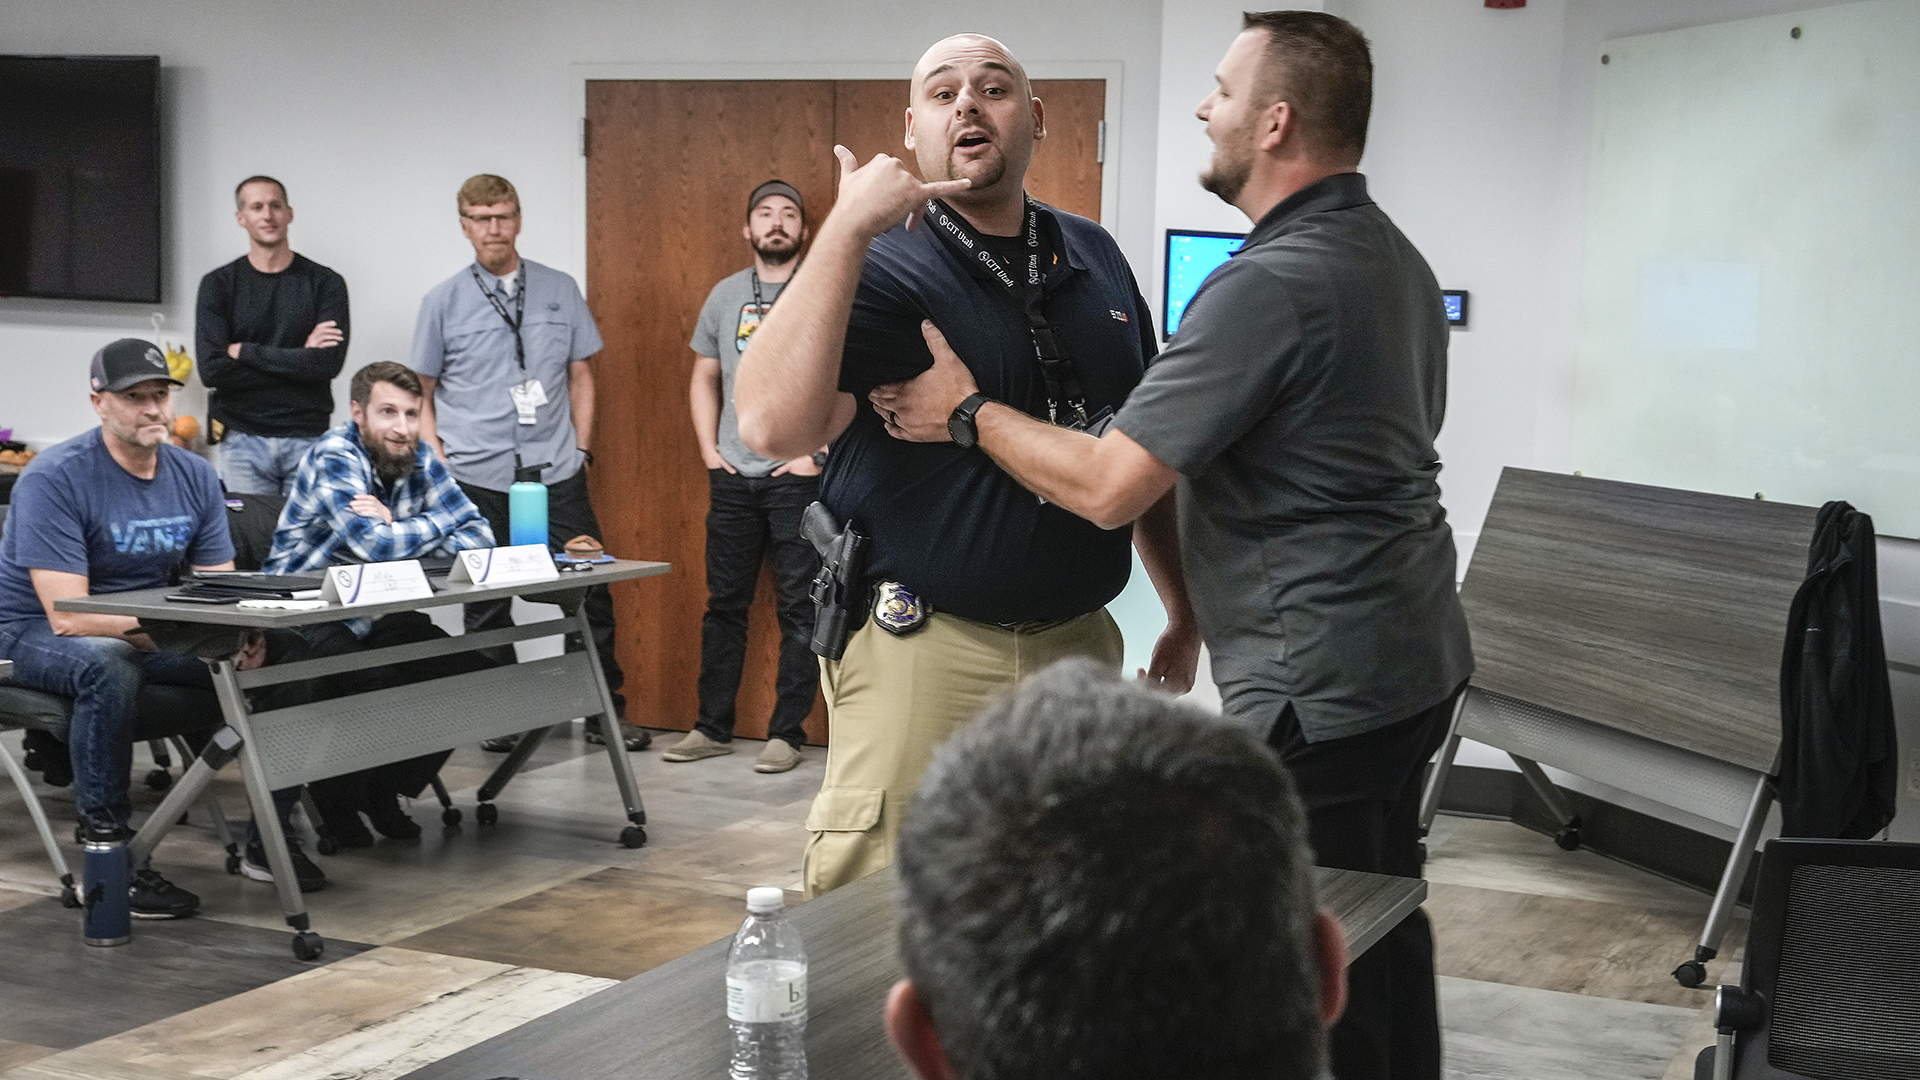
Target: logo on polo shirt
column 1119, row 315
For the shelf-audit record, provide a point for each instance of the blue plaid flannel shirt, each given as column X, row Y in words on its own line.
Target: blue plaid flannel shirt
column 318, row 528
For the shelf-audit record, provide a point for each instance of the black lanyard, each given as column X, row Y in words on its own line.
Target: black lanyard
column 1056, row 366
column 760, row 306
column 513, row 321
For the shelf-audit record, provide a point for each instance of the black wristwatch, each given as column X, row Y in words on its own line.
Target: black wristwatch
column 960, row 425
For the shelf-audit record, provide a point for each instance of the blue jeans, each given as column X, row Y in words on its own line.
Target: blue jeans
column 103, row 676
column 260, row 464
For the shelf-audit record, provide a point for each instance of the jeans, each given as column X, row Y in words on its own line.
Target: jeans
column 103, row 676
column 260, row 464
column 746, row 516
column 1362, row 795
column 569, row 514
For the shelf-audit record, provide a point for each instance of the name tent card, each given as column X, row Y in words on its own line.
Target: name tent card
column 375, row 583
column 505, row 565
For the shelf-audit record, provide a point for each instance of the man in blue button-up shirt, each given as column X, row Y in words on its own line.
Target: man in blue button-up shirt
column 502, row 348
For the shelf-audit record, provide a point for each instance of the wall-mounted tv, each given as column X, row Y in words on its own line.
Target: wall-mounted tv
column 80, row 177
column 1191, row 256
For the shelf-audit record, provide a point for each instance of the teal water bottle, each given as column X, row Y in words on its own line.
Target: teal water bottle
column 527, row 505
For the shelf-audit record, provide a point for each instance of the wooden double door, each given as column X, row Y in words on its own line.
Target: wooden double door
column 670, row 165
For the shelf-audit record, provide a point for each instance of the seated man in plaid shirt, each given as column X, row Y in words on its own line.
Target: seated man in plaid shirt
column 370, row 491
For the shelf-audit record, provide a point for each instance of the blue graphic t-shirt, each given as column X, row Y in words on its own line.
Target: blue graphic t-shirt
column 76, row 510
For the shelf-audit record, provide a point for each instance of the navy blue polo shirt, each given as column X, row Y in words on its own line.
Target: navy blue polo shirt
column 947, row 522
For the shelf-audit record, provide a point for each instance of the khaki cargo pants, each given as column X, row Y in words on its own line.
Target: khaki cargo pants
column 891, row 701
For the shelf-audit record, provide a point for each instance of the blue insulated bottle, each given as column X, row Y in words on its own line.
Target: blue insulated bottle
column 109, row 919
column 527, row 505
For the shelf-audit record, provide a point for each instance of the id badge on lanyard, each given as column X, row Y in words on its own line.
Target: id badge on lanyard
column 527, row 394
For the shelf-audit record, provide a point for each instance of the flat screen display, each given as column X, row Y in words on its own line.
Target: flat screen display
column 80, row 177
column 1191, row 256
column 1456, row 306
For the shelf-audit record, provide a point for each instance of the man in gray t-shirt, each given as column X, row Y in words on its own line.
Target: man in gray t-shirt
column 755, row 503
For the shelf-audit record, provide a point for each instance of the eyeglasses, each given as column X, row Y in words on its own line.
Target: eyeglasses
column 487, row 221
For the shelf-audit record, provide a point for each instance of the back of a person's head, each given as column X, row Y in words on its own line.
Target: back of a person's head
column 1097, row 881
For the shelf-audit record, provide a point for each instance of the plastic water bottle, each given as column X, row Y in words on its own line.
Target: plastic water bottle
column 767, row 993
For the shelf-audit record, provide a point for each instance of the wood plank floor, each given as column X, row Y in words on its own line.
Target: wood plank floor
column 1553, row 964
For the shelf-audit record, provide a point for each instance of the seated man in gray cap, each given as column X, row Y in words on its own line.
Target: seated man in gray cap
column 115, row 509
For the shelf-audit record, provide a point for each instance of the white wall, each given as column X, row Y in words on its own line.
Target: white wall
column 373, row 113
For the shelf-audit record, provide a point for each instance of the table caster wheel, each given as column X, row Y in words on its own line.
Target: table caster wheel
column 233, row 863
column 1692, row 973
column 633, row 836
column 69, row 897
column 487, row 814
column 327, row 845
column 1568, row 839
column 159, row 779
column 450, row 817
column 307, row 945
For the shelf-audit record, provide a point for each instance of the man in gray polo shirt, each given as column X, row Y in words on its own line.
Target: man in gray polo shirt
column 1296, row 410
column 501, row 349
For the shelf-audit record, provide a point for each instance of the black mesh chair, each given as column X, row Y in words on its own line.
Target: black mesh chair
column 1830, row 989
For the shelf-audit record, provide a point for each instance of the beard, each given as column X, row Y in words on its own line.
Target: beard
column 1226, row 175
column 388, row 468
column 774, row 255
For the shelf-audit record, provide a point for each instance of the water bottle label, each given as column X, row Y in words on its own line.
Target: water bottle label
column 755, row 1001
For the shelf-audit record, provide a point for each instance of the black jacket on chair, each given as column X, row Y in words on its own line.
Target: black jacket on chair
column 1838, row 753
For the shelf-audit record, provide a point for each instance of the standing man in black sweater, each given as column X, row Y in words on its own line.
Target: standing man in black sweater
column 271, row 333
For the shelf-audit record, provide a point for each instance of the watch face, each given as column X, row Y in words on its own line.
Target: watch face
column 960, row 427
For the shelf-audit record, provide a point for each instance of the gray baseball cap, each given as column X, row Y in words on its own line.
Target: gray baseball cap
column 776, row 187
column 129, row 362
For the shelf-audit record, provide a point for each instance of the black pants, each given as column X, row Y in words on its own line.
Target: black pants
column 1363, row 813
column 356, row 791
column 747, row 516
column 569, row 514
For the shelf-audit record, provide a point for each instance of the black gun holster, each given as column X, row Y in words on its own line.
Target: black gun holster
column 837, row 592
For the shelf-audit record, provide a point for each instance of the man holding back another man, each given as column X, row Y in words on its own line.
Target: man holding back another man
column 1296, row 413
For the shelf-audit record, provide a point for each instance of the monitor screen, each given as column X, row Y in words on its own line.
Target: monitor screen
column 1456, row 306
column 80, row 177
column 1191, row 256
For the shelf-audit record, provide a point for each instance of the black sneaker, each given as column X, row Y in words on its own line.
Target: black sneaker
column 310, row 877
column 393, row 823
column 48, row 756
column 500, row 745
column 636, row 739
column 150, row 896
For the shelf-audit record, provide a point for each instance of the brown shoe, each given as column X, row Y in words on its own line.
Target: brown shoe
column 778, row 755
column 694, row 747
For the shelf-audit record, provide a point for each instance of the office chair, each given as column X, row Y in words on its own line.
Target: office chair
column 1830, row 989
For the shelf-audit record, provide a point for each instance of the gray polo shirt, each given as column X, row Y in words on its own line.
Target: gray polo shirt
column 727, row 322
column 464, row 343
column 1300, row 401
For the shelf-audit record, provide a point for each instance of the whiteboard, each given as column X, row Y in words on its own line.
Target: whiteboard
column 1750, row 299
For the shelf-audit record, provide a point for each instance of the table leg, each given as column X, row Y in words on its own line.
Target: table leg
column 635, row 834
column 497, row 781
column 233, row 702
column 193, row 786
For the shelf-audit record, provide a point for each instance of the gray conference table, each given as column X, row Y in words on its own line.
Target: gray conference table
column 282, row 747
column 669, row 1023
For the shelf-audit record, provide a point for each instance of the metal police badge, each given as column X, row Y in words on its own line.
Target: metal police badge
column 897, row 610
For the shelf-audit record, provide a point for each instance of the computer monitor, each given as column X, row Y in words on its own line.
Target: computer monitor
column 1456, row 306
column 1191, row 255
